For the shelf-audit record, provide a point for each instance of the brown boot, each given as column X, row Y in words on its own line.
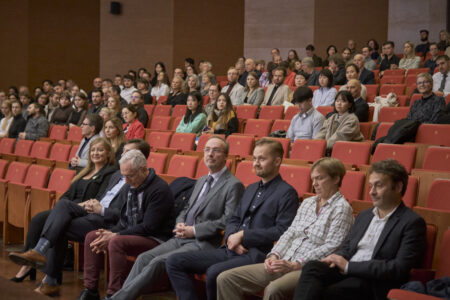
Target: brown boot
column 48, row 290
column 29, row 258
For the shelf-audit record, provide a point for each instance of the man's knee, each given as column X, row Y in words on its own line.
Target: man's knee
column 115, row 244
column 173, row 261
column 273, row 291
column 145, row 258
column 224, row 277
column 90, row 237
column 313, row 267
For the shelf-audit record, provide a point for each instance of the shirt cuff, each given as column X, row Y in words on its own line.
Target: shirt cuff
column 346, row 269
column 194, row 230
column 277, row 254
column 103, row 211
column 300, row 261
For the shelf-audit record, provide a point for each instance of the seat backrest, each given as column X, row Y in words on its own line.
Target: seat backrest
column 245, row 173
column 435, row 134
column 291, row 112
column 309, row 150
column 427, row 261
column 160, row 122
column 271, row 112
column 394, row 72
column 353, row 185
column 365, row 127
column 176, row 121
column 157, row 161
column 410, row 80
column 325, row 110
column 410, row 197
column 162, row 110
column 383, row 129
column 179, row 110
column 443, row 268
column 16, row 172
column 372, row 89
column 159, row 139
column 404, row 154
column 417, row 71
column 60, row 152
column 162, row 99
column 23, row 147
column 298, row 177
column 398, row 89
column 7, row 145
column 182, row 166
column 414, row 98
column 280, row 125
column 258, row 127
column 438, row 195
column 58, row 132
column 60, row 180
column 40, row 149
column 202, row 169
column 392, row 79
column 437, row 158
column 75, row 134
column 3, row 167
column 285, row 143
column 240, row 145
column 149, row 109
column 354, row 153
column 37, row 176
column 204, row 138
column 246, row 111
column 73, row 151
column 183, row 141
column 392, row 114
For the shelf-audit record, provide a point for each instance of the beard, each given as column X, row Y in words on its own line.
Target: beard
column 424, row 39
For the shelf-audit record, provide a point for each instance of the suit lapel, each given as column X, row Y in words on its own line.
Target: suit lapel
column 217, row 186
column 252, row 191
column 393, row 220
column 197, row 189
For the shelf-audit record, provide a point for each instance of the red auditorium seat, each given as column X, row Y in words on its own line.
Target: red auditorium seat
column 365, row 128
column 59, row 152
column 392, row 79
column 280, row 125
column 162, row 100
column 353, row 185
column 58, row 132
column 258, row 127
column 3, row 168
column 417, row 71
column 247, row 111
column 159, row 139
column 271, row 112
column 438, row 195
column 240, row 145
column 353, row 153
column 434, row 134
column 245, row 173
column 398, row 89
column 176, row 121
column 383, row 129
column 23, row 148
column 182, row 166
column 437, row 158
column 75, row 135
column 411, row 80
column 404, row 154
column 325, row 110
column 162, row 110
column 157, row 161
column 392, row 114
column 160, row 122
column 7, row 145
column 394, row 72
column 414, row 98
column 298, row 177
column 183, row 141
column 179, row 110
column 308, row 150
column 291, row 112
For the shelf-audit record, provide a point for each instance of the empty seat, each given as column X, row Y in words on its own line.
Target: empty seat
column 245, row 173
column 298, row 177
column 353, row 185
column 291, row 112
column 7, row 145
column 404, row 154
column 179, row 110
column 398, row 89
column 325, row 110
column 365, row 128
column 40, row 149
column 59, row 152
column 75, row 134
column 149, row 109
column 159, row 139
column 183, row 141
column 162, row 110
column 280, row 125
column 175, row 122
column 182, row 166
column 247, row 111
column 3, row 168
column 394, row 72
column 308, row 150
column 58, row 132
column 372, row 89
column 417, row 71
column 258, row 127
column 392, row 114
column 271, row 112
column 23, row 147
column 437, row 158
column 438, row 195
column 435, row 134
column 383, row 129
column 157, row 161
column 162, row 99
column 160, row 122
column 240, row 145
column 392, row 79
column 353, row 153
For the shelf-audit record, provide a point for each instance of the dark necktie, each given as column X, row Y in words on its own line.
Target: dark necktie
column 192, row 211
column 444, row 79
column 272, row 94
column 230, row 87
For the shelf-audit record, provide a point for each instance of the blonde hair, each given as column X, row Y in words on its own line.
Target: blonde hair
column 413, row 52
column 7, row 117
column 332, row 166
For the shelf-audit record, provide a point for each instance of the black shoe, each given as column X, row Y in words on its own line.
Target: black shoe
column 31, row 273
column 87, row 294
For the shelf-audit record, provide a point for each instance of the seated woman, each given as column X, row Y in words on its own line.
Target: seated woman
column 194, row 120
column 213, row 94
column 409, row 59
column 132, row 128
column 300, row 79
column 192, row 83
column 325, row 94
column 331, row 50
column 143, row 87
column 178, row 94
column 253, row 94
column 352, row 72
column 114, row 105
column 81, row 103
column 90, row 183
column 61, row 114
column 6, row 121
column 343, row 125
column 207, row 79
column 303, row 241
column 161, row 88
column 113, row 133
column 222, row 119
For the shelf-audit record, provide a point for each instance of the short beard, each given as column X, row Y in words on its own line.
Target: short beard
column 424, row 39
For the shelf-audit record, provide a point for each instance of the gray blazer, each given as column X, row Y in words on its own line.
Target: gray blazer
column 256, row 98
column 84, row 155
column 213, row 213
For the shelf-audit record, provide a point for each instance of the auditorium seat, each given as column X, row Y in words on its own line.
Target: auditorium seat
column 3, row 168
column 280, row 125
column 394, row 72
column 298, row 177
column 203, row 139
column 383, row 129
column 291, row 112
column 246, row 111
column 414, row 98
column 285, row 143
column 175, row 122
column 417, row 71
column 58, row 132
column 437, row 158
column 245, row 173
column 182, row 166
column 162, row 100
column 23, row 148
column 75, row 135
column 240, row 145
column 271, row 112
column 159, row 139
column 402, row 100
column 438, row 195
column 58, row 153
column 157, row 161
column 308, row 150
column 179, row 110
column 258, row 127
column 162, row 110
column 38, row 150
column 392, row 114
column 398, row 89
column 7, row 146
column 149, row 109
column 372, row 89
column 434, row 134
column 353, row 185
column 160, row 122
column 325, row 110
column 182, row 141
column 392, row 79
column 404, row 154
column 366, row 128
column 352, row 153
column 411, row 80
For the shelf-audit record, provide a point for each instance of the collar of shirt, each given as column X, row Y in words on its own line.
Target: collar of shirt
column 358, row 99
column 306, row 114
column 262, row 185
column 339, row 118
column 333, row 198
column 217, row 175
column 377, row 216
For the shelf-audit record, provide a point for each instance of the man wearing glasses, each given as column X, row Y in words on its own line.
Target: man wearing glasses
column 90, row 129
column 198, row 226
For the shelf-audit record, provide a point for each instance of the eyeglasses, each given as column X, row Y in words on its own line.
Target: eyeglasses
column 422, row 82
column 214, row 150
column 85, row 124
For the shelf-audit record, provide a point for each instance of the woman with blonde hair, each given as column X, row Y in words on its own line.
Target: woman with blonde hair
column 222, row 119
column 6, row 121
column 113, row 133
column 444, row 40
column 207, row 78
column 192, row 83
column 178, row 95
column 409, row 60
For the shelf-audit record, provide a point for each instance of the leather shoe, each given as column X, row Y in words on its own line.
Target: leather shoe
column 30, row 258
column 47, row 290
column 87, row 294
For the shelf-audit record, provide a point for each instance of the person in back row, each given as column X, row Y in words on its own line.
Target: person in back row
column 37, row 124
column 222, row 119
column 194, row 119
column 277, row 92
column 233, row 89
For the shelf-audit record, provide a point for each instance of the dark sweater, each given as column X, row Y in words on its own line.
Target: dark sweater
column 17, row 126
column 61, row 115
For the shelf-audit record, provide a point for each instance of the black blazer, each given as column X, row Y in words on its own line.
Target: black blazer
column 361, row 110
column 273, row 214
column 366, row 76
column 400, row 247
column 339, row 77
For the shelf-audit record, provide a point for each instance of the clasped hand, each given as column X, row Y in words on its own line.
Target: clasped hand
column 234, row 242
column 274, row 265
column 184, row 232
column 100, row 244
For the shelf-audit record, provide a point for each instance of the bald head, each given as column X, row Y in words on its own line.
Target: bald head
column 354, row 87
column 249, row 65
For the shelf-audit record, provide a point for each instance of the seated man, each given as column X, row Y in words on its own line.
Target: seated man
column 308, row 68
column 233, row 88
column 128, row 88
column 90, row 129
column 442, row 78
column 303, row 241
column 145, row 221
column 266, row 210
column 199, row 224
column 384, row 243
column 337, row 66
column 365, row 76
column 310, row 53
column 277, row 92
column 37, row 124
column 361, row 107
column 308, row 122
column 97, row 102
column 137, row 100
column 390, row 60
column 369, row 64
column 426, row 109
column 431, row 63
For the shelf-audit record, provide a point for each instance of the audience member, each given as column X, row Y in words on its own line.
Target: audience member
column 62, row 114
column 361, row 107
column 37, row 124
column 26, row 100
column 277, row 92
column 7, row 120
column 47, row 85
column 138, row 101
column 194, row 119
column 265, row 211
column 325, row 94
column 222, row 119
column 213, row 94
column 444, row 40
column 180, row 73
column 431, row 63
column 441, row 79
column 161, row 87
column 97, row 84
column 365, row 76
column 374, row 47
column 346, row 55
column 310, row 53
column 192, row 83
column 207, row 79
column 266, row 77
column 118, row 80
column 78, row 114
column 369, row 64
column 159, row 67
column 144, row 87
column 128, row 88
column 274, row 52
column 351, row 45
column 18, row 123
column 352, row 72
column 233, row 89
column 115, row 106
column 303, row 241
column 178, row 94
column 115, row 92
column 310, row 71
column 331, row 50
column 113, row 133
column 343, row 125
column 390, row 60
column 409, row 59
column 250, row 66
column 132, row 127
column 97, row 102
column 337, row 67
column 52, row 105
column 424, row 46
column 307, row 123
column 90, row 129
column 292, row 56
column 254, row 95
column 383, row 245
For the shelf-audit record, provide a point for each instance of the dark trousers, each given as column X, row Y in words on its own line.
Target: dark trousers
column 213, row 262
column 319, row 281
column 35, row 229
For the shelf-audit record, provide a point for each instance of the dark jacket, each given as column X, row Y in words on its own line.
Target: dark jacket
column 361, row 110
column 177, row 99
column 339, row 77
column 61, row 115
column 157, row 206
column 142, row 115
column 112, row 212
column 17, row 126
column 366, row 76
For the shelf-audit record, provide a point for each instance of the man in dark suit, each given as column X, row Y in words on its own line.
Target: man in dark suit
column 266, row 210
column 198, row 226
column 361, row 107
column 383, row 245
column 365, row 76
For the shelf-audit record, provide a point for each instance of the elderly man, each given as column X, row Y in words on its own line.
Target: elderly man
column 308, row 68
column 233, row 88
column 369, row 64
column 441, row 79
column 361, row 107
column 277, row 92
column 383, row 245
column 37, row 124
column 90, row 128
column 365, row 76
column 250, row 66
column 426, row 109
column 266, row 210
column 199, row 224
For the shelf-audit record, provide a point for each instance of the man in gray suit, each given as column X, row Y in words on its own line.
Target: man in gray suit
column 198, row 226
column 90, row 128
